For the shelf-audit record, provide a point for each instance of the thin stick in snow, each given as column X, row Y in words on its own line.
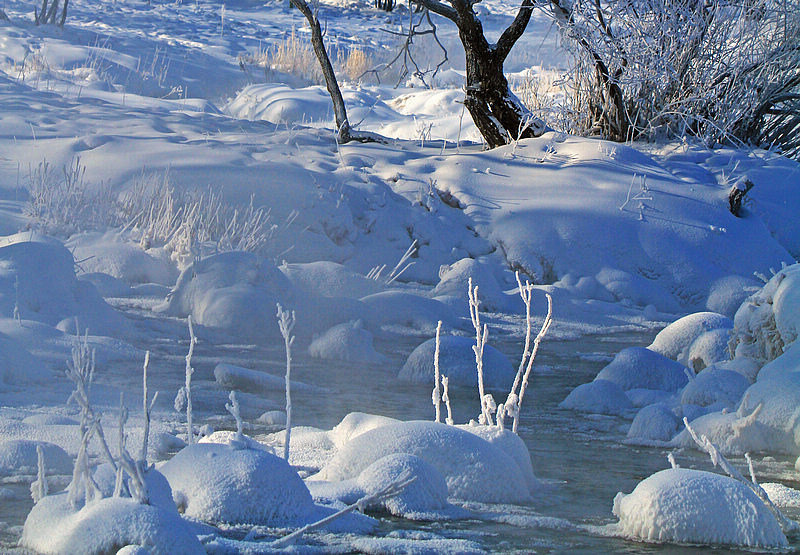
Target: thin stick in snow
column 39, row 487
column 548, row 320
column 147, row 407
column 233, row 408
column 446, row 399
column 286, row 322
column 437, row 397
column 188, row 386
column 481, row 335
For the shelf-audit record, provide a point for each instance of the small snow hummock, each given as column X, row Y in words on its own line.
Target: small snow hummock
column 348, row 341
column 598, row 397
column 457, row 362
column 641, row 368
column 474, row 469
column 681, row 505
column 676, row 340
column 18, row 457
column 714, row 385
column 655, row 422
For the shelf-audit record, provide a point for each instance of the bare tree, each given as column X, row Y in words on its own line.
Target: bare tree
column 3, row 16
column 497, row 112
column 345, row 133
column 49, row 12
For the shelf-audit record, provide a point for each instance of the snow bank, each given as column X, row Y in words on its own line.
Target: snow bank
column 104, row 526
column 692, row 506
column 216, row 483
column 598, row 397
column 474, row 469
column 676, row 340
column 641, row 368
column 457, row 362
column 348, row 342
column 37, row 274
column 769, row 321
column 18, row 458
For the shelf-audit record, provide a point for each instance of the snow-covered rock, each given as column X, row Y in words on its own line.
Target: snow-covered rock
column 17, row 365
column 348, row 341
column 397, row 308
column 474, row 469
column 105, row 525
column 598, row 397
column 676, row 340
column 641, row 368
column 18, row 457
column 235, row 377
column 655, row 422
column 714, row 385
column 692, row 506
column 786, row 363
column 217, row 483
column 454, row 280
column 329, row 279
column 457, row 362
column 356, row 423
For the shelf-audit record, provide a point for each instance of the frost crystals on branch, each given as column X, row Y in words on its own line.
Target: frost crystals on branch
column 436, row 396
column 286, row 321
column 147, row 408
column 789, row 527
column 233, row 408
column 514, row 399
column 481, row 334
column 184, row 397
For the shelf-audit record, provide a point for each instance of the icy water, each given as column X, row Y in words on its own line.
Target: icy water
column 580, row 458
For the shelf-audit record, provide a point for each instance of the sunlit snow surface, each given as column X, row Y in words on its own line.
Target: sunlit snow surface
column 625, row 239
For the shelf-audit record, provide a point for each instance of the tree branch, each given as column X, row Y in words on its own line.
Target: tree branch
column 514, row 31
column 438, row 8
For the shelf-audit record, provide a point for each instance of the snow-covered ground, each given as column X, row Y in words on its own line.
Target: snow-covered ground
column 154, row 166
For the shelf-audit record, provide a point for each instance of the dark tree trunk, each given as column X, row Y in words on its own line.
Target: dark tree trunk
column 3, row 16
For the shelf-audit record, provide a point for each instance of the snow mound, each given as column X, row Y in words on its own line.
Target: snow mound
column 216, row 483
column 710, row 348
column 474, row 469
column 420, row 500
column 509, row 442
column 395, row 308
column 356, row 423
column 641, row 368
column 158, row 490
column 692, row 506
column 18, row 457
column 457, row 362
column 598, row 397
column 788, row 362
column 454, row 280
column 109, row 253
column 348, row 342
column 782, row 496
column 329, row 279
column 714, row 385
column 675, row 341
column 655, row 422
column 37, row 275
column 17, row 365
column 769, row 321
column 235, row 377
column 104, row 526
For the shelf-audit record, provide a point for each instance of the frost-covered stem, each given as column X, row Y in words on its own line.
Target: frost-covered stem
column 788, row 526
column 672, row 462
column 17, row 316
column 481, row 335
column 446, row 399
column 548, row 320
column 136, row 485
column 188, row 386
column 147, row 408
column 393, row 489
column 511, row 406
column 233, row 408
column 752, row 470
column 437, row 397
column 39, row 487
column 286, row 321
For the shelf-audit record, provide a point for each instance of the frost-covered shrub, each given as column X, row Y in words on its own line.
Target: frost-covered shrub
column 640, row 368
column 599, row 397
column 457, row 362
column 348, row 341
column 692, row 506
column 655, row 422
column 714, row 385
column 218, row 483
column 770, row 320
column 474, row 469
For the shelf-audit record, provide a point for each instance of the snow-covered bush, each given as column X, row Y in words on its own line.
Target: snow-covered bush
column 680, row 505
column 457, row 362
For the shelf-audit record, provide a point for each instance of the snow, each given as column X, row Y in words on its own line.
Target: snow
column 598, row 396
column 640, row 368
column 654, row 422
column 693, row 506
column 348, row 342
column 18, row 458
column 474, row 469
column 457, row 362
column 677, row 339
column 714, row 385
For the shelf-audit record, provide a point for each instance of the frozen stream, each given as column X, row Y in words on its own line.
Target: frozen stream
column 580, row 458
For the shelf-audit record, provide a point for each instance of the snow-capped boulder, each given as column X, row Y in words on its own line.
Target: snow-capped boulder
column 714, row 385
column 348, row 342
column 726, row 294
column 692, row 506
column 675, row 341
column 105, row 525
column 457, row 362
column 397, row 308
column 356, row 423
column 158, row 491
column 474, row 469
column 217, row 483
column 17, row 365
column 454, row 281
column 641, row 368
column 37, row 276
column 329, row 279
column 656, row 423
column 511, row 444
column 786, row 363
column 235, row 377
column 709, row 348
column 18, row 457
column 598, row 397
